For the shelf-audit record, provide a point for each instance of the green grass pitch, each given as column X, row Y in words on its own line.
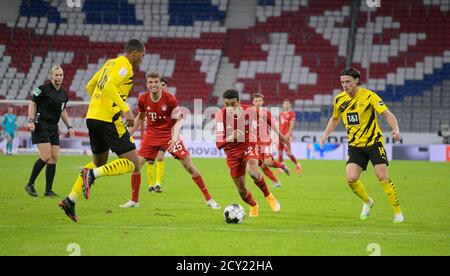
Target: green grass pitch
column 319, row 216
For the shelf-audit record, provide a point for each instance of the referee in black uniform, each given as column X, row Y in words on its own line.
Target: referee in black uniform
column 47, row 106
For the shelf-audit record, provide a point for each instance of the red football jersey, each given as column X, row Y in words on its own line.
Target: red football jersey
column 160, row 117
column 246, row 124
column 286, row 118
column 264, row 126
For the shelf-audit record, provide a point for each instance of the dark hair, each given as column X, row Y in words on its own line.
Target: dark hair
column 352, row 72
column 134, row 45
column 258, row 95
column 231, row 94
column 153, row 75
column 163, row 80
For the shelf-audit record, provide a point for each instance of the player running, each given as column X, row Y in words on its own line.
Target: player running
column 358, row 106
column 287, row 123
column 164, row 121
column 236, row 133
column 265, row 141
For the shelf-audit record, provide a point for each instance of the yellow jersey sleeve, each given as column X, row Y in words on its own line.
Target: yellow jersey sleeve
column 378, row 103
column 336, row 113
column 90, row 87
column 119, row 73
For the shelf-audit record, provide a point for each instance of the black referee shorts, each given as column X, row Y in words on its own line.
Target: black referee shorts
column 105, row 136
column 45, row 133
column 361, row 156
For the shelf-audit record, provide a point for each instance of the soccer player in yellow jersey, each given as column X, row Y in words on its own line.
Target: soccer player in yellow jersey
column 358, row 107
column 109, row 89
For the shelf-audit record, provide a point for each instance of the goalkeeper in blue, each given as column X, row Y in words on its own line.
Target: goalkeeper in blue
column 9, row 125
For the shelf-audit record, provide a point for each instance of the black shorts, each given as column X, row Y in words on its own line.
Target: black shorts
column 45, row 133
column 105, row 136
column 361, row 156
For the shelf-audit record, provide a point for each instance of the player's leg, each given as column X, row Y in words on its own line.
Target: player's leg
column 258, row 179
column 270, row 162
column 190, row 167
column 289, row 153
column 280, row 153
column 378, row 157
column 270, row 175
column 44, row 156
column 9, row 143
column 159, row 170
column 246, row 195
column 51, row 171
column 135, row 187
column 353, row 172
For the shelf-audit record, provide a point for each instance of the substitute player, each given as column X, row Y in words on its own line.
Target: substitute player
column 265, row 141
column 287, row 123
column 358, row 107
column 236, row 133
column 109, row 89
column 164, row 122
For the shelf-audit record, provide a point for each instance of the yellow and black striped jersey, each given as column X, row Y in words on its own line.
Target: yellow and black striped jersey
column 109, row 89
column 359, row 116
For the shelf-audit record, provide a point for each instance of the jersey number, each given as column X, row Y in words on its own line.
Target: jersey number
column 103, row 79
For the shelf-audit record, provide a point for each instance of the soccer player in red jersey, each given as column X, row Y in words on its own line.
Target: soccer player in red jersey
column 164, row 121
column 236, row 127
column 265, row 141
column 287, row 122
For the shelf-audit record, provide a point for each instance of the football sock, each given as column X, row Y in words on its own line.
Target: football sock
column 201, row 185
column 49, row 176
column 116, row 167
column 359, row 190
column 269, row 174
column 280, row 155
column 151, row 174
column 261, row 183
column 293, row 158
column 249, row 198
column 77, row 186
column 159, row 172
column 135, row 185
column 277, row 164
column 37, row 168
column 391, row 193
column 9, row 147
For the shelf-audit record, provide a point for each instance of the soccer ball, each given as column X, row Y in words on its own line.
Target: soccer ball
column 234, row 213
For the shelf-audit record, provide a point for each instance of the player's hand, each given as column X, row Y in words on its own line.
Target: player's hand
column 32, row 127
column 171, row 145
column 71, row 133
column 323, row 140
column 396, row 135
column 129, row 118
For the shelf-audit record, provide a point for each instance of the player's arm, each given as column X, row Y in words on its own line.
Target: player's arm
column 32, row 107
column 66, row 119
column 274, row 126
column 137, row 123
column 392, row 121
column 220, row 130
column 332, row 124
column 176, row 129
column 291, row 128
column 90, row 87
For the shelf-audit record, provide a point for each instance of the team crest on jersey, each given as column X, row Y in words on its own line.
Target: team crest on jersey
column 164, row 108
column 380, row 103
column 148, row 108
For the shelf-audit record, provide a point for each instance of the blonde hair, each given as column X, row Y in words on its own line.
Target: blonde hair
column 55, row 67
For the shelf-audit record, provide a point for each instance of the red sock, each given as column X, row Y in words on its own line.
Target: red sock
column 293, row 158
column 280, row 155
column 135, row 185
column 261, row 183
column 201, row 185
column 249, row 199
column 269, row 174
column 277, row 164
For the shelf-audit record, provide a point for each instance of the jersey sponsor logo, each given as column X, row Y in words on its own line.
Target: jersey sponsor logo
column 352, row 118
column 123, row 72
column 37, row 92
column 153, row 116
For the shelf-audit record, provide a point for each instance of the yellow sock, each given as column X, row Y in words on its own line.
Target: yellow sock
column 391, row 193
column 116, row 167
column 159, row 172
column 77, row 186
column 359, row 190
column 151, row 174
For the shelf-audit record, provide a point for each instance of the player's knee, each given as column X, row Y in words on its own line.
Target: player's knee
column 382, row 176
column 352, row 179
column 53, row 160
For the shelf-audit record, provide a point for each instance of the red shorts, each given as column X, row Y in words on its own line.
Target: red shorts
column 149, row 152
column 265, row 151
column 237, row 159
